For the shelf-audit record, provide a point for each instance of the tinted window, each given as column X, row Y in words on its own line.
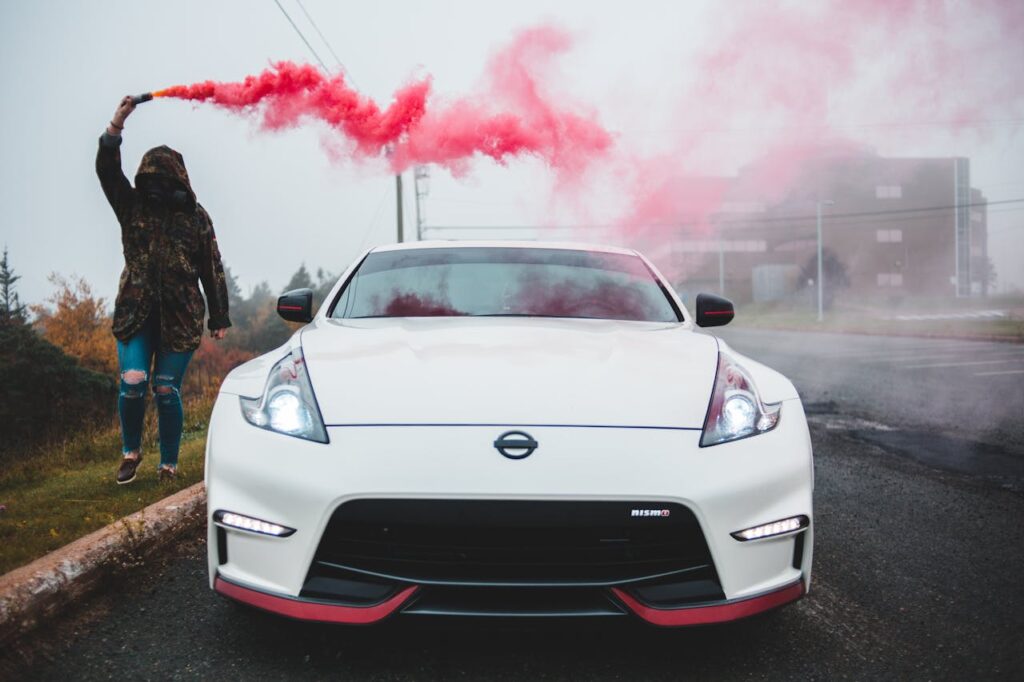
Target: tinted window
column 496, row 281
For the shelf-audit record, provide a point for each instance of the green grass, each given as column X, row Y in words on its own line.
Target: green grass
column 58, row 494
column 866, row 322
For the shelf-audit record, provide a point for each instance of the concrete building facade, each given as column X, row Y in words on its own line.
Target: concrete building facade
column 893, row 227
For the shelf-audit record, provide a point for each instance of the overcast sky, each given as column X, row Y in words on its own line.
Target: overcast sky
column 277, row 200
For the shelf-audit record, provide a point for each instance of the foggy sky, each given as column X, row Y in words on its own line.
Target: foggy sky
column 277, row 200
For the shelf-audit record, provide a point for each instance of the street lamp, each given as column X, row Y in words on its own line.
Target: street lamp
column 821, row 312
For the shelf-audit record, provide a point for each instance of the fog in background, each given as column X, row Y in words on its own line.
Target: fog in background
column 648, row 72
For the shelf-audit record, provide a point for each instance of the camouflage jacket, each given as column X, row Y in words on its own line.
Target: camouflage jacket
column 169, row 247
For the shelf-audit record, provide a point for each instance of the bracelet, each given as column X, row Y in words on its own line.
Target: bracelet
column 114, row 125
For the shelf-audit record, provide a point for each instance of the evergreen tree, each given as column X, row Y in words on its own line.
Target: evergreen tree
column 11, row 308
column 234, row 291
column 833, row 272
column 324, row 282
column 300, row 280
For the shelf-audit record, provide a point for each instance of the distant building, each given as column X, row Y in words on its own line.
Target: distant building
column 896, row 226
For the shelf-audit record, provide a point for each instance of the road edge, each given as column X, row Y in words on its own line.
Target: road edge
column 35, row 593
column 990, row 338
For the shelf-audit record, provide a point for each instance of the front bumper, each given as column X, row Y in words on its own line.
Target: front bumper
column 321, row 612
column 302, row 485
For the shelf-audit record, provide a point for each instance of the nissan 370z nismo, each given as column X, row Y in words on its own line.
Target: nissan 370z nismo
column 508, row 429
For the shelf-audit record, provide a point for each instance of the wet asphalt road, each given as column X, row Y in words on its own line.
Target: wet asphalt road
column 956, row 405
column 917, row 576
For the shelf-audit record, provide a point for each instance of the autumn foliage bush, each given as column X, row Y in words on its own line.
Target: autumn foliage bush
column 78, row 324
column 60, row 373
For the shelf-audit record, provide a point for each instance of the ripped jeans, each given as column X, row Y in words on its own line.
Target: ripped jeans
column 135, row 358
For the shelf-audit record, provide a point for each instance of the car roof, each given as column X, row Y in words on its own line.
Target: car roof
column 498, row 243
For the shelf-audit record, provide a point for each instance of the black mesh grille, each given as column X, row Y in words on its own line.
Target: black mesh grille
column 513, row 542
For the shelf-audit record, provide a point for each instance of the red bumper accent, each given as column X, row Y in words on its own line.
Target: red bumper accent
column 315, row 611
column 715, row 613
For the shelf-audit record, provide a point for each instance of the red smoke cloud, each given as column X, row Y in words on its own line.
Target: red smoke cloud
column 571, row 298
column 512, row 117
column 409, row 304
column 778, row 84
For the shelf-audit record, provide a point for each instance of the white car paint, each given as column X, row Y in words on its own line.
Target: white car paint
column 412, row 406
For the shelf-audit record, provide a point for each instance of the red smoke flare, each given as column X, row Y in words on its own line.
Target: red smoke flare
column 512, row 118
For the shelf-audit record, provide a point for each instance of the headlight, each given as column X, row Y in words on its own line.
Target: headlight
column 287, row 404
column 736, row 410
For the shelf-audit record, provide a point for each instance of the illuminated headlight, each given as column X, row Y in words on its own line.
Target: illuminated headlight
column 736, row 410
column 287, row 404
column 775, row 528
column 248, row 523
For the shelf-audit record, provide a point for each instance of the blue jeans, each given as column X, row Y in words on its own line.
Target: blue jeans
column 135, row 358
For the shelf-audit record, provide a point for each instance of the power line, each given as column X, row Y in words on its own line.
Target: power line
column 833, row 216
column 739, row 221
column 833, row 126
column 288, row 17
column 344, row 70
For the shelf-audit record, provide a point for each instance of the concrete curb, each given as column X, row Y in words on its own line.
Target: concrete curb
column 32, row 594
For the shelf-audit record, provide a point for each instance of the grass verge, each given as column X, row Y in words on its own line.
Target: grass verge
column 58, row 494
column 996, row 329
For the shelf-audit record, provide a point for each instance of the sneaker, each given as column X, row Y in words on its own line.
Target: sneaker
column 167, row 473
column 126, row 472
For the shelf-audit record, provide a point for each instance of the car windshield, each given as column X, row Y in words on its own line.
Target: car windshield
column 504, row 281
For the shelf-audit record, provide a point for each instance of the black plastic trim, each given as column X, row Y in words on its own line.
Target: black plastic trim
column 798, row 549
column 511, row 583
column 513, row 603
column 512, row 543
column 222, row 546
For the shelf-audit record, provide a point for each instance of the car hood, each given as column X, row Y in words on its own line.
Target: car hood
column 509, row 371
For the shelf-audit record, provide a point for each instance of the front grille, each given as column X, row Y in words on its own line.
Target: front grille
column 530, row 543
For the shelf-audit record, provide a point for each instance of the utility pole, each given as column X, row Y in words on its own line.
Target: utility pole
column 398, row 206
column 421, row 185
column 821, row 284
column 721, row 267
column 721, row 254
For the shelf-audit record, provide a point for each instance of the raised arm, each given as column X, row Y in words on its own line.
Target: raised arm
column 115, row 185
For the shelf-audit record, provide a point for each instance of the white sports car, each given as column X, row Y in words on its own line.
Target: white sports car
column 508, row 429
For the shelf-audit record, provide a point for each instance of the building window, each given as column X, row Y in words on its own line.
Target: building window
column 890, row 279
column 889, row 236
column 889, row 192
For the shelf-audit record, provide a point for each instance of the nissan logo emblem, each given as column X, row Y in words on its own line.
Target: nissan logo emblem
column 515, row 444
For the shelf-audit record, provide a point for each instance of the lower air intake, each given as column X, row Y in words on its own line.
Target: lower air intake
column 524, row 543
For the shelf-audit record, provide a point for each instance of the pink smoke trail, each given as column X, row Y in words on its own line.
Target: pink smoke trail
column 779, row 83
column 513, row 118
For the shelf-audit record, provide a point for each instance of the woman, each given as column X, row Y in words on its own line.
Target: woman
column 169, row 246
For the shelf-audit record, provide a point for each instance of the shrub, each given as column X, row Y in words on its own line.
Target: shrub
column 46, row 393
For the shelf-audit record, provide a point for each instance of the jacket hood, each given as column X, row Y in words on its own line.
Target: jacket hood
column 164, row 162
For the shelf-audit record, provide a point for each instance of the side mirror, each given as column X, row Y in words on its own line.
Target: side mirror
column 713, row 311
column 296, row 305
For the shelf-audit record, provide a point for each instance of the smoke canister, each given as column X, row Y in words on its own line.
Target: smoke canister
column 144, row 97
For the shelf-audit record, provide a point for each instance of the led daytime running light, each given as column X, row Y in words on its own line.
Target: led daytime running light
column 775, row 528
column 248, row 523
